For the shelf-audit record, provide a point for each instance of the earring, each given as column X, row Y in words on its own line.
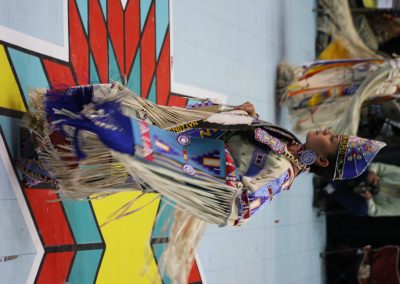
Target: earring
column 308, row 157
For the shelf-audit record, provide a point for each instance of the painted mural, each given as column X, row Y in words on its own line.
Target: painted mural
column 83, row 41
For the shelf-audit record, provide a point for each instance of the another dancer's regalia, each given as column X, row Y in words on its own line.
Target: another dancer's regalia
column 331, row 94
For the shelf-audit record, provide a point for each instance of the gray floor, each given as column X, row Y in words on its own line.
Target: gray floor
column 230, row 49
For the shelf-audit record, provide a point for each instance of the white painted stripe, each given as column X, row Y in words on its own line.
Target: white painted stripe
column 124, row 2
column 25, row 210
column 200, row 267
column 187, row 90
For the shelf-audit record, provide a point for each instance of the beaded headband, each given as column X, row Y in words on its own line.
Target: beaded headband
column 354, row 155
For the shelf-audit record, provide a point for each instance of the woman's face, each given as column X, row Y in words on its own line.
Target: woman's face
column 324, row 143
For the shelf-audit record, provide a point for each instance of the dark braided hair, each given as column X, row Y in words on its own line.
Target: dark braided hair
column 325, row 172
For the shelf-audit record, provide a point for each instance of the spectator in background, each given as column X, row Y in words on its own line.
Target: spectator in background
column 387, row 201
column 375, row 193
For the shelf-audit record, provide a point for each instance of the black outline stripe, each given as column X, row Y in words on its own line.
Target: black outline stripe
column 102, row 239
column 69, row 41
column 158, row 241
column 66, row 219
column 71, row 265
column 133, row 62
column 154, row 79
column 179, row 95
column 169, row 53
column 169, row 62
column 138, row 45
column 74, row 247
column 16, row 78
column 152, row 244
column 155, row 48
column 112, row 43
column 11, row 113
column 69, row 37
column 160, row 273
column 90, row 45
column 21, row 186
column 147, row 18
column 30, row 52
column 39, row 271
column 67, row 65
column 46, row 74
column 124, row 39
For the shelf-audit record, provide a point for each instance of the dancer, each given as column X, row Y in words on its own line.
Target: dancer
column 222, row 167
column 215, row 164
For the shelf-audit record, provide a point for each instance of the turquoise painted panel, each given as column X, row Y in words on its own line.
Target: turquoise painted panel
column 113, row 71
column 82, row 221
column 158, row 249
column 85, row 266
column 163, row 223
column 162, row 20
column 83, row 11
column 144, row 10
column 152, row 94
column 29, row 71
column 103, row 4
column 94, row 76
column 11, row 127
column 134, row 78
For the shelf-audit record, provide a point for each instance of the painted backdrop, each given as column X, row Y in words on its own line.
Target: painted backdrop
column 48, row 43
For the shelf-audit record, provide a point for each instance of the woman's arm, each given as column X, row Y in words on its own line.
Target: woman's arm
column 249, row 108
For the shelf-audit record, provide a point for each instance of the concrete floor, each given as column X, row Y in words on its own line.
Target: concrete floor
column 230, row 49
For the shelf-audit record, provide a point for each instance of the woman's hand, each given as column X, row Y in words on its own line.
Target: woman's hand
column 373, row 178
column 367, row 195
column 249, row 108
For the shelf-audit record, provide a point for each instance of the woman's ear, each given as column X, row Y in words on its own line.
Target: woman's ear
column 322, row 162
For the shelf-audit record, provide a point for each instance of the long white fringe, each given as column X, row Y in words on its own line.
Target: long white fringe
column 177, row 259
column 197, row 201
column 231, row 118
column 205, row 199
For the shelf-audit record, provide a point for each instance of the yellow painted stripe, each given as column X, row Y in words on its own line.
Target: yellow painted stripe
column 10, row 96
column 128, row 257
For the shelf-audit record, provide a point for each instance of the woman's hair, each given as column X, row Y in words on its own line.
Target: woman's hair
column 325, row 172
